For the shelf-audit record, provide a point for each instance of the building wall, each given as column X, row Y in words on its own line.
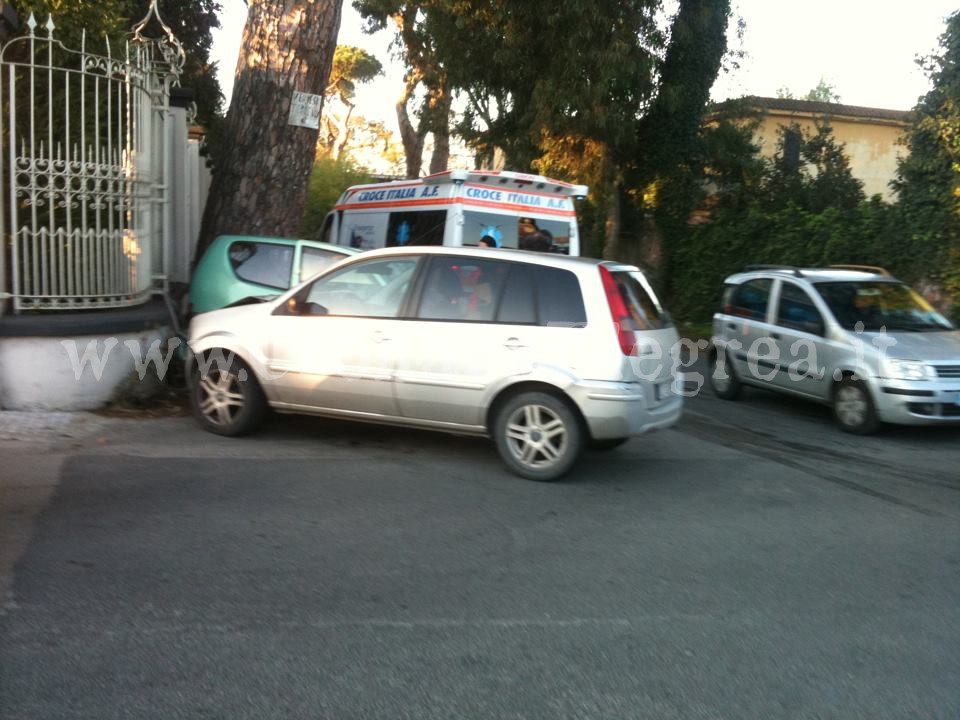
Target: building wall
column 871, row 145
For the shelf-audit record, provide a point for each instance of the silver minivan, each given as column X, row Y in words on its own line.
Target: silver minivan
column 547, row 354
column 849, row 336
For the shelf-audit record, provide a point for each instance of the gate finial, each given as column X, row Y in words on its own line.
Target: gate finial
column 169, row 46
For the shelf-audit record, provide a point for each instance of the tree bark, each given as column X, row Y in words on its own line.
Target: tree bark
column 440, row 110
column 611, row 189
column 344, row 132
column 411, row 136
column 261, row 184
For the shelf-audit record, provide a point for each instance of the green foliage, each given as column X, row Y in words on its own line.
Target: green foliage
column 351, row 65
column 818, row 178
column 106, row 18
column 812, row 212
column 808, row 214
column 786, row 235
column 928, row 179
column 823, row 92
column 328, row 180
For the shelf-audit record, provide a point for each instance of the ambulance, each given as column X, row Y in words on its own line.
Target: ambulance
column 457, row 208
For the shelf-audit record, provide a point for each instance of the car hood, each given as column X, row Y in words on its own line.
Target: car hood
column 227, row 320
column 926, row 346
column 252, row 300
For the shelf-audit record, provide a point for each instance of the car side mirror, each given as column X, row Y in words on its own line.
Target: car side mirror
column 296, row 306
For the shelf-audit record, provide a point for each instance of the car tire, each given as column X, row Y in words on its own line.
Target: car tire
column 227, row 401
column 726, row 388
column 608, row 443
column 853, row 407
column 538, row 436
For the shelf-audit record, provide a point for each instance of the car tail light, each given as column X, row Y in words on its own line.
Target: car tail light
column 622, row 320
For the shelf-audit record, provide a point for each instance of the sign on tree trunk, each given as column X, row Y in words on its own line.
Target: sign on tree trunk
column 305, row 110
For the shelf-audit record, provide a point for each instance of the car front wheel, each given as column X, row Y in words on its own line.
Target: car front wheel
column 538, row 436
column 853, row 408
column 226, row 398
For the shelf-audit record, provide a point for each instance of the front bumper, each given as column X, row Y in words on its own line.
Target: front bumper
column 929, row 402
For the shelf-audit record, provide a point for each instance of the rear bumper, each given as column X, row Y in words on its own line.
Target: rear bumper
column 617, row 410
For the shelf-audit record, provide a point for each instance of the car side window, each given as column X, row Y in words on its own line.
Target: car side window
column 559, row 298
column 519, row 303
column 267, row 264
column 315, row 260
column 797, row 311
column 462, row 288
column 751, row 299
column 376, row 288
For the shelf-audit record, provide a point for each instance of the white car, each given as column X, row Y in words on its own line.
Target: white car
column 544, row 353
column 851, row 337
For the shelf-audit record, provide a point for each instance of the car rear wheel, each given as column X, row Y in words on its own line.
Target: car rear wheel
column 226, row 398
column 723, row 378
column 853, row 408
column 538, row 436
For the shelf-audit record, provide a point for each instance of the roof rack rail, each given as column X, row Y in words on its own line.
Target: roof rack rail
column 786, row 268
column 876, row 269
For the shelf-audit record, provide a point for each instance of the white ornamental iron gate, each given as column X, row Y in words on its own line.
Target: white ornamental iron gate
column 85, row 169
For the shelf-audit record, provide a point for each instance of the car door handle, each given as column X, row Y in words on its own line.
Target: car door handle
column 379, row 337
column 731, row 326
column 775, row 336
column 513, row 344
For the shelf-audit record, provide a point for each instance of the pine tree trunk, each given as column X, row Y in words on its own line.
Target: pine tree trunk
column 344, row 132
column 261, row 183
column 441, row 131
column 412, row 137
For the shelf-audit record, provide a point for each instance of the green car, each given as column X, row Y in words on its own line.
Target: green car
column 236, row 267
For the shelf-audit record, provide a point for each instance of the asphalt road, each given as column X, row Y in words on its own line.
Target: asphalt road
column 752, row 563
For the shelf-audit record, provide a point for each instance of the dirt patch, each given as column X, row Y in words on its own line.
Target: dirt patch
column 170, row 401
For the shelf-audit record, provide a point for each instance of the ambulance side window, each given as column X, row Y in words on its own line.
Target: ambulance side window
column 425, row 227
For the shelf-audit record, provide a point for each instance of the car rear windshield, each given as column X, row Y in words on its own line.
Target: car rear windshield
column 642, row 304
column 879, row 304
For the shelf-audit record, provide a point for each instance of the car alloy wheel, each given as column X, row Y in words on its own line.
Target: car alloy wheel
column 538, row 436
column 220, row 398
column 853, row 408
column 226, row 399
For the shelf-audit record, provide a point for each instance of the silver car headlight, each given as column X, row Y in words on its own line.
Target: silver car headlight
column 908, row 370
